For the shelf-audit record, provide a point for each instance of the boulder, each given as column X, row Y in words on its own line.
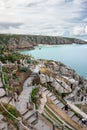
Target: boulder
column 45, row 78
column 61, row 87
column 42, row 78
column 64, row 70
column 57, row 87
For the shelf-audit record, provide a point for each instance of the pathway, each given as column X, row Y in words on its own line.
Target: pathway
column 59, row 104
column 25, row 95
column 29, row 115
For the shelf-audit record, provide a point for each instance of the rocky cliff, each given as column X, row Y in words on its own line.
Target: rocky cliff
column 29, row 41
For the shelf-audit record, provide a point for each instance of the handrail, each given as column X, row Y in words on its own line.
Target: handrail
column 66, row 124
column 14, row 117
column 8, row 112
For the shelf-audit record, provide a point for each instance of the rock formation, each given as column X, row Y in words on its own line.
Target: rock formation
column 29, row 41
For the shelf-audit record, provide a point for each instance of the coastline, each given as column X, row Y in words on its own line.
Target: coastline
column 65, row 52
column 25, row 42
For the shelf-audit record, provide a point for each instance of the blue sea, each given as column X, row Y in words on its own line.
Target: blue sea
column 73, row 55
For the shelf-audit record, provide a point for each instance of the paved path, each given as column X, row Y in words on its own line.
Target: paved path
column 25, row 95
column 41, row 125
column 27, row 89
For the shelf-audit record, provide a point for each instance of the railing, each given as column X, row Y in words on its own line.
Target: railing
column 18, row 120
column 66, row 125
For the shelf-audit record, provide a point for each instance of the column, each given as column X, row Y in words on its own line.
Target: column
column 20, row 123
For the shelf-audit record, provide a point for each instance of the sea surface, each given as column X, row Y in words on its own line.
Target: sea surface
column 74, row 55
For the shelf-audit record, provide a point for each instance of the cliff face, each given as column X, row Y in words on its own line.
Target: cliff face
column 29, row 41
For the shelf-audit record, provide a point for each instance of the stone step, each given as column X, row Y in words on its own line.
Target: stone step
column 24, row 97
column 53, row 98
column 32, row 119
column 60, row 104
column 70, row 113
column 75, row 118
column 56, row 101
column 44, row 89
column 24, row 112
column 49, row 94
column 28, row 114
column 31, row 116
column 34, row 122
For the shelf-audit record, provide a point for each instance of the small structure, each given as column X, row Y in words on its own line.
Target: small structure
column 20, row 123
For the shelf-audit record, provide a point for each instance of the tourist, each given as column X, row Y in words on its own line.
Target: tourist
column 84, row 120
column 66, row 107
column 82, row 98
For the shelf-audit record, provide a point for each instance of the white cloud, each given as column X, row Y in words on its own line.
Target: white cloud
column 79, row 30
column 86, row 29
column 51, row 17
column 79, row 1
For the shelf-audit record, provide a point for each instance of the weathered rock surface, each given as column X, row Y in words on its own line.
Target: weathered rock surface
column 45, row 78
column 61, row 87
column 64, row 79
column 29, row 41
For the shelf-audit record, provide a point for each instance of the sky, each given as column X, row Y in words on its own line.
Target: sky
column 44, row 17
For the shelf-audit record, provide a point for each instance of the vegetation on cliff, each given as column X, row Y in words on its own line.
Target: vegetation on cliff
column 29, row 41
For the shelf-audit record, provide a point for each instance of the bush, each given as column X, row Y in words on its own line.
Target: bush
column 34, row 96
column 24, row 69
column 11, row 110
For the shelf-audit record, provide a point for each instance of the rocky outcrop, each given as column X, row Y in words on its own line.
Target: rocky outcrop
column 64, row 79
column 56, row 83
column 29, row 41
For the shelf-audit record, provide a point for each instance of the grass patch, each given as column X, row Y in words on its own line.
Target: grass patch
column 8, row 116
column 82, row 107
column 50, row 113
column 34, row 97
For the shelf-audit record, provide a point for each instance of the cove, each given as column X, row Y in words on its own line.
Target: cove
column 73, row 55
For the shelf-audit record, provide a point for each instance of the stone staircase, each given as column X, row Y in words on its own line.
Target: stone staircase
column 30, row 117
column 58, row 103
column 35, row 121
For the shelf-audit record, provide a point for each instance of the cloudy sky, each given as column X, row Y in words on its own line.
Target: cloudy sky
column 44, row 17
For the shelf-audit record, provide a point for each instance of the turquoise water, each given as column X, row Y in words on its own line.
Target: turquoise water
column 71, row 55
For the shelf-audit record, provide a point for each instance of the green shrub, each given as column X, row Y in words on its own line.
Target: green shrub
column 12, row 110
column 34, row 96
column 24, row 69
